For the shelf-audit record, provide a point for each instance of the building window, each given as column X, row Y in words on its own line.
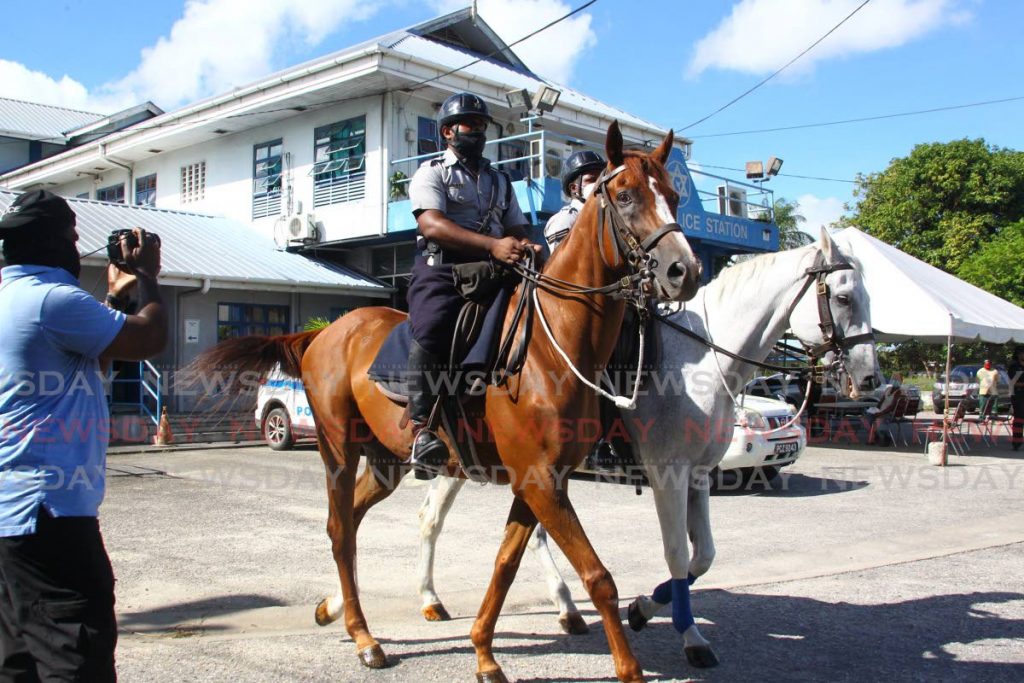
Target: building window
column 393, row 265
column 145, row 190
column 426, row 136
column 193, row 182
column 515, row 149
column 339, row 168
column 113, row 194
column 266, row 179
column 240, row 320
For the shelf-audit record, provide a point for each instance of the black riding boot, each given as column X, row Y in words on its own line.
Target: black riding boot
column 429, row 453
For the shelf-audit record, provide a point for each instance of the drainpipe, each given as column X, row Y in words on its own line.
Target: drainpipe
column 385, row 162
column 179, row 346
column 129, row 193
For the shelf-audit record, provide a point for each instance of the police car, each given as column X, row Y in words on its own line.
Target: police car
column 754, row 454
column 282, row 411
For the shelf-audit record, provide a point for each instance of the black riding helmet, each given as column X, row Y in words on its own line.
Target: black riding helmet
column 460, row 106
column 579, row 164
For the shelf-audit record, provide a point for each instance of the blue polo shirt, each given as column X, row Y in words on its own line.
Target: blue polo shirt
column 54, row 420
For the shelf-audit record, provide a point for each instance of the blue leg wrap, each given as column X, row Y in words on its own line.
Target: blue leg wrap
column 682, row 615
column 663, row 593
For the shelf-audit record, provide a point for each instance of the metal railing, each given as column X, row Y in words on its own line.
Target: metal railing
column 756, row 205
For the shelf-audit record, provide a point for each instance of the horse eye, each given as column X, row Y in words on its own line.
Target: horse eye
column 623, row 198
column 843, row 299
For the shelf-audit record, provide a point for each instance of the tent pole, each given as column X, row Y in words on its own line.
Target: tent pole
column 945, row 410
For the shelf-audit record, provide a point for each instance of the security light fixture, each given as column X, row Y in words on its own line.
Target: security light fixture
column 519, row 100
column 774, row 165
column 547, row 98
column 755, row 169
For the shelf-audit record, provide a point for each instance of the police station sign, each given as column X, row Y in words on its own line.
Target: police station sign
column 703, row 225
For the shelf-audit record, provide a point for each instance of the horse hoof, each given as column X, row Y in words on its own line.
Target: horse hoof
column 495, row 676
column 701, row 656
column 436, row 612
column 637, row 621
column 322, row 616
column 573, row 624
column 372, row 657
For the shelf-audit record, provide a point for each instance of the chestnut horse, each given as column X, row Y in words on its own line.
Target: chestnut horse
column 628, row 221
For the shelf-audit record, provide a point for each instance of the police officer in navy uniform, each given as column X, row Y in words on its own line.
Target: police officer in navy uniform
column 465, row 211
column 579, row 173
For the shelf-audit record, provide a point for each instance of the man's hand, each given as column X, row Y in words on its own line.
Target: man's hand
column 119, row 283
column 508, row 249
column 143, row 260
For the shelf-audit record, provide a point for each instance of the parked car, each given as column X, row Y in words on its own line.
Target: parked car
column 754, row 455
column 778, row 386
column 964, row 387
column 282, row 411
column 751, row 455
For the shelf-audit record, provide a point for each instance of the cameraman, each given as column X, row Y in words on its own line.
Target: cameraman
column 56, row 585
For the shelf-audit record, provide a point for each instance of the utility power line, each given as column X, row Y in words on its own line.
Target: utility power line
column 776, row 73
column 862, row 119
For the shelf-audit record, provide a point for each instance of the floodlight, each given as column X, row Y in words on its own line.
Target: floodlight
column 547, row 98
column 519, row 100
column 774, row 165
column 755, row 169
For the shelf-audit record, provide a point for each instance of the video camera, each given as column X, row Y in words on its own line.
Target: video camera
column 114, row 252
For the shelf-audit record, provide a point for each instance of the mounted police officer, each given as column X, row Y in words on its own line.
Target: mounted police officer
column 579, row 174
column 465, row 211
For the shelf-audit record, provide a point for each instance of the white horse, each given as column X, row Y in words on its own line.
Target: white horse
column 746, row 309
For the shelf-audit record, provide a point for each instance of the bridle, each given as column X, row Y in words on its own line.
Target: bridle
column 833, row 339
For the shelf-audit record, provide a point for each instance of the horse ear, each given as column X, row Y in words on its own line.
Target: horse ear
column 828, row 247
column 613, row 145
column 661, row 154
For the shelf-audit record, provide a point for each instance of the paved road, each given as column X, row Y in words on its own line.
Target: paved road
column 857, row 565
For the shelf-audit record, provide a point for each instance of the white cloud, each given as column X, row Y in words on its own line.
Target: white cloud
column 553, row 53
column 819, row 212
column 217, row 45
column 21, row 83
column 759, row 36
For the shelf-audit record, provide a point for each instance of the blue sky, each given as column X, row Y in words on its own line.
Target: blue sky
column 669, row 61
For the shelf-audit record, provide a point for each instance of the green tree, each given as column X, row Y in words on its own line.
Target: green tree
column 789, row 219
column 943, row 201
column 998, row 267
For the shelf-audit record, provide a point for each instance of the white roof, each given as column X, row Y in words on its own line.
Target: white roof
column 40, row 121
column 196, row 248
column 451, row 57
column 911, row 299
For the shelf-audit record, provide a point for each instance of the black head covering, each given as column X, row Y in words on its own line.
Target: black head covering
column 34, row 231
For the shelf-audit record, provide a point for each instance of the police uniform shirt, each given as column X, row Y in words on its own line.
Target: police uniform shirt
column 445, row 184
column 559, row 225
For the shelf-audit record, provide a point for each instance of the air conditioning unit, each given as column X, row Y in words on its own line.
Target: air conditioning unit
column 732, row 201
column 295, row 230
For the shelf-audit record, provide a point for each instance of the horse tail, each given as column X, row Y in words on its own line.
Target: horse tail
column 256, row 353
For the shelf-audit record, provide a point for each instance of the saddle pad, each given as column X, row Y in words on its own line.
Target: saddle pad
column 392, row 360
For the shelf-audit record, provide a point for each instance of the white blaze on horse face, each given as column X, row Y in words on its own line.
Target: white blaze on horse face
column 660, row 203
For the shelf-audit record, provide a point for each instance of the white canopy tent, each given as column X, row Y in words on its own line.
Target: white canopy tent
column 913, row 300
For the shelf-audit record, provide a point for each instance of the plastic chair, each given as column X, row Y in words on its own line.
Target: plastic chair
column 886, row 418
column 954, row 429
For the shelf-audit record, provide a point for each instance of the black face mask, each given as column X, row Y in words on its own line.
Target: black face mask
column 55, row 252
column 469, row 145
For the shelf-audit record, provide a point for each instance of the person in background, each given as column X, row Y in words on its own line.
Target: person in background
column 884, row 411
column 580, row 172
column 57, row 618
column 1016, row 371
column 988, row 379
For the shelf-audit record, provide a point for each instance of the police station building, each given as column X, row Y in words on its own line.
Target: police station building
column 311, row 166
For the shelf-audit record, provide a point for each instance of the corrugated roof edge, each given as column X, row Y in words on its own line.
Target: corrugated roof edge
column 53, row 106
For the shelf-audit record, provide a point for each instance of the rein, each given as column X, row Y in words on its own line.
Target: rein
column 635, row 254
